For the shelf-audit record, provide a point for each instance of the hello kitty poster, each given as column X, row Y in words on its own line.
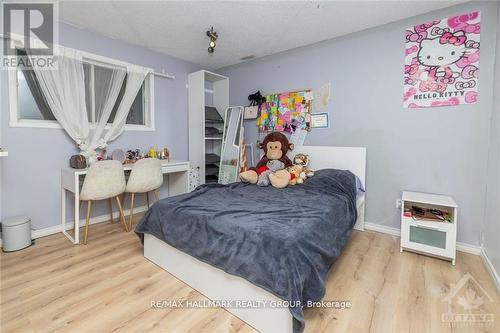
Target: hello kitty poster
column 442, row 62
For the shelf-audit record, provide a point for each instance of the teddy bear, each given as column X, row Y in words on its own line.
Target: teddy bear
column 272, row 167
column 275, row 147
column 297, row 176
column 303, row 160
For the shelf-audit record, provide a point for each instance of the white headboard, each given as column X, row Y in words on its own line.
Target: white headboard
column 343, row 158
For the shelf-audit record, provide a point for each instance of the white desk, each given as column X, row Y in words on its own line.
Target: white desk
column 178, row 183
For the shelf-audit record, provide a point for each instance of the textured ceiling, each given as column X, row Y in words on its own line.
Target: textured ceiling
column 245, row 28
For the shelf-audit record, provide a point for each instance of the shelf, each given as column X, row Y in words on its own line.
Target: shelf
column 433, row 224
column 212, row 158
column 4, row 153
column 213, row 138
column 211, row 170
column 211, row 179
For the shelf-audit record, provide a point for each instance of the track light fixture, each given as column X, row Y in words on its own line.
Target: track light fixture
column 213, row 37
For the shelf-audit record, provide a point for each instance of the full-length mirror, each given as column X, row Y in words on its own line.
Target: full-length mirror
column 231, row 145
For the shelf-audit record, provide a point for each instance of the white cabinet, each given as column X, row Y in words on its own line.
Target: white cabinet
column 206, row 89
column 429, row 224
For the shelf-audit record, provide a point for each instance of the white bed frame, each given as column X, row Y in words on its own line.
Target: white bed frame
column 218, row 285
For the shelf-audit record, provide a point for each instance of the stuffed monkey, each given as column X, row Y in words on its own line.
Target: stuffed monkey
column 275, row 146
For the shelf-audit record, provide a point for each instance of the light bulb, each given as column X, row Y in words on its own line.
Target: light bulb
column 211, row 44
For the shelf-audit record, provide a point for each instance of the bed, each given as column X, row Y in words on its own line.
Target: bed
column 231, row 243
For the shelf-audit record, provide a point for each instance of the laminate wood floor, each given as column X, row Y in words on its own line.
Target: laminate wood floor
column 107, row 286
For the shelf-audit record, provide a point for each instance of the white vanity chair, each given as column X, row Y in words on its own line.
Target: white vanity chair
column 104, row 180
column 146, row 176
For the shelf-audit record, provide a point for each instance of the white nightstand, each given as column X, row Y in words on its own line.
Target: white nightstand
column 429, row 233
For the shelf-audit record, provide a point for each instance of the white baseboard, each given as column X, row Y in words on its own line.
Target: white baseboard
column 462, row 247
column 491, row 269
column 69, row 224
column 382, row 228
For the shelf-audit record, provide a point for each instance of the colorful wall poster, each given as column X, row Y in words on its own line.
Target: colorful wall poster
column 285, row 112
column 442, row 62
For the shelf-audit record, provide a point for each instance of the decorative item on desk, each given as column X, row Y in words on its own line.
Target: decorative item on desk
column 152, row 152
column 102, row 155
column 133, row 156
column 78, row 162
column 165, row 154
column 118, row 155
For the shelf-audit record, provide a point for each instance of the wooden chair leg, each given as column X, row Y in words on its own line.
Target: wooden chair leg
column 111, row 210
column 122, row 217
column 132, row 196
column 147, row 198
column 89, row 207
column 157, row 195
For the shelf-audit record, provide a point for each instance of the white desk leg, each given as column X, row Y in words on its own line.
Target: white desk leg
column 77, row 210
column 63, row 215
column 63, row 209
column 178, row 183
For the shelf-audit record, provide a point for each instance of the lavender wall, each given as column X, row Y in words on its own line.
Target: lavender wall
column 438, row 150
column 492, row 220
column 31, row 174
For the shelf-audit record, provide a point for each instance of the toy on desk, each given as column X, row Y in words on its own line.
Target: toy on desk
column 165, row 154
column 152, row 152
column 132, row 156
column 102, row 155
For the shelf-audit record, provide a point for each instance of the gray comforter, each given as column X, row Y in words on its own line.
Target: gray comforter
column 282, row 240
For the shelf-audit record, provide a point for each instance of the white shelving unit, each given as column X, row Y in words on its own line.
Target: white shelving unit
column 426, row 233
column 206, row 89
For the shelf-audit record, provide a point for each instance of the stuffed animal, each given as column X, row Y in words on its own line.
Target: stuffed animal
column 272, row 167
column 297, row 176
column 275, row 146
column 303, row 160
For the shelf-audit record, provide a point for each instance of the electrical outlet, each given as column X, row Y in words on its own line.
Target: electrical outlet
column 398, row 203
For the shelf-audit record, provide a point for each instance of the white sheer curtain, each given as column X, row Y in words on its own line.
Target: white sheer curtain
column 107, row 85
column 64, row 91
column 135, row 78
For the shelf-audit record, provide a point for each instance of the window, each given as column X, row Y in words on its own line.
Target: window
column 31, row 110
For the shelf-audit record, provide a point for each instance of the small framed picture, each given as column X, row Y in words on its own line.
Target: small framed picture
column 320, row 120
column 251, row 112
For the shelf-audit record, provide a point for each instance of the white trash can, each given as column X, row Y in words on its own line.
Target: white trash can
column 16, row 233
